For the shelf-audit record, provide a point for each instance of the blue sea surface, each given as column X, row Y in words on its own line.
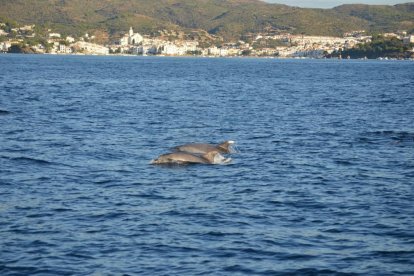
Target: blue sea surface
column 323, row 182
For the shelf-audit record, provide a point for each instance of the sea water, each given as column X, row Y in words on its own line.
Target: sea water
column 323, row 181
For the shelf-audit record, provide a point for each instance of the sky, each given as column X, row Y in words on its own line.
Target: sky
column 334, row 3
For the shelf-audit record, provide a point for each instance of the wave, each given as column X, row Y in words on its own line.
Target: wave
column 394, row 254
column 15, row 131
column 17, row 270
column 4, row 112
column 315, row 271
column 80, row 255
column 32, row 270
column 29, row 159
column 387, row 136
column 303, row 271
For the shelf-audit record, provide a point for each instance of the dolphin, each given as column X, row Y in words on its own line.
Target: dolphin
column 182, row 158
column 201, row 148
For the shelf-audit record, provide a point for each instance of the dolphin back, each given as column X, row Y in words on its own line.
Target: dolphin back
column 179, row 158
column 197, row 148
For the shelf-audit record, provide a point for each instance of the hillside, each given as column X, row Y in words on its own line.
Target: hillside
column 227, row 18
column 382, row 18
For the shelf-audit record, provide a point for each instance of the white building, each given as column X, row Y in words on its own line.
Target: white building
column 408, row 39
column 4, row 46
column 124, row 40
column 54, row 35
column 190, row 46
column 134, row 38
column 90, row 48
column 286, row 51
column 147, row 49
column 214, row 51
column 131, row 38
column 234, row 52
column 326, row 40
column 172, row 50
column 39, row 48
column 70, row 39
column 2, row 32
column 63, row 49
column 179, row 49
column 151, row 49
column 27, row 28
column 390, row 35
column 309, row 53
column 267, row 52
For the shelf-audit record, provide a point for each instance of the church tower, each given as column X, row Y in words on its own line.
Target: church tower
column 131, row 32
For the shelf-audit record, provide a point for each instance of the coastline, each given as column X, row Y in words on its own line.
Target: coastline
column 207, row 57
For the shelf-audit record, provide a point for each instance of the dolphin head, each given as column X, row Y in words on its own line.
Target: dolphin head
column 227, row 146
column 214, row 157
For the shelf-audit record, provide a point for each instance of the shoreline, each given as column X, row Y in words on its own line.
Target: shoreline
column 211, row 57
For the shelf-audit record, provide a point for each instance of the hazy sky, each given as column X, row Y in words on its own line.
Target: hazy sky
column 334, row 3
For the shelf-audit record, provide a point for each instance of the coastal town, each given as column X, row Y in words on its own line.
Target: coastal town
column 266, row 44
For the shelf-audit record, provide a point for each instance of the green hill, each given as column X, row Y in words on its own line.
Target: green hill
column 382, row 18
column 227, row 18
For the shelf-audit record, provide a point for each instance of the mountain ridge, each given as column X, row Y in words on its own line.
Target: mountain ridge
column 227, row 18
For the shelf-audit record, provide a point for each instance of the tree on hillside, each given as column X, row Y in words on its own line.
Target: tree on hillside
column 379, row 47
